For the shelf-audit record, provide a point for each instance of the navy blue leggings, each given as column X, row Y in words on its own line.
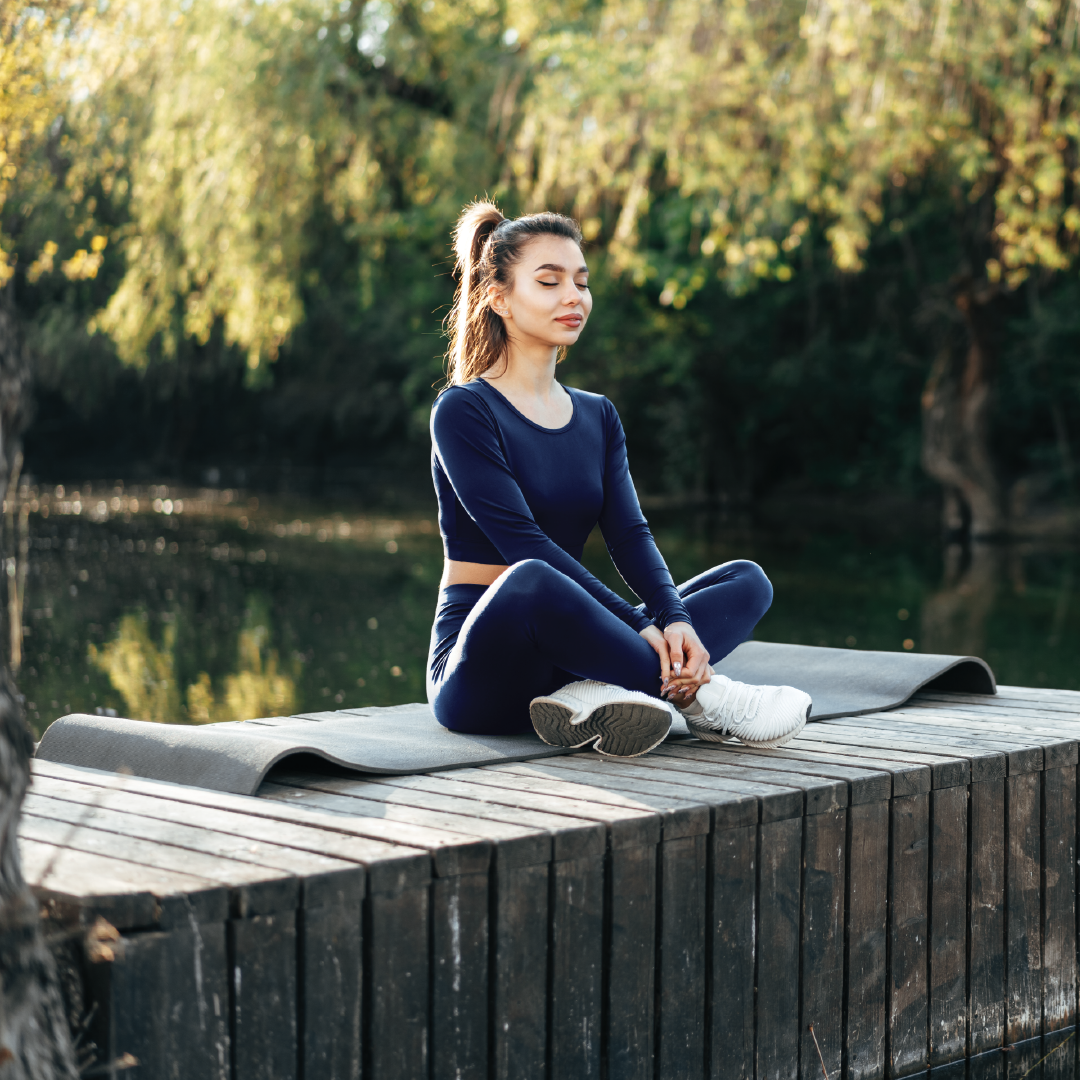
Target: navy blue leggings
column 534, row 630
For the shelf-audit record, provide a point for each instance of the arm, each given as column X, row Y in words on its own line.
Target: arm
column 467, row 443
column 629, row 540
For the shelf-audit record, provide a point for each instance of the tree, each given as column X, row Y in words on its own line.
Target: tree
column 774, row 123
column 34, row 1036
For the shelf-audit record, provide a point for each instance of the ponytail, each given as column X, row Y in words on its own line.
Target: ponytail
column 487, row 246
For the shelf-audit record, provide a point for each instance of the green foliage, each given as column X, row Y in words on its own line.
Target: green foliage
column 776, row 196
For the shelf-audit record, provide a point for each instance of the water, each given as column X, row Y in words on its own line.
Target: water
column 194, row 606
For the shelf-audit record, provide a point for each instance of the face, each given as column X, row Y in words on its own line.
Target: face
column 549, row 301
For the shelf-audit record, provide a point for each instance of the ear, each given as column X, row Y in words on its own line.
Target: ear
column 497, row 301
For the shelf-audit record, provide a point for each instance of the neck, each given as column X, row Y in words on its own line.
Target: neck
column 528, row 370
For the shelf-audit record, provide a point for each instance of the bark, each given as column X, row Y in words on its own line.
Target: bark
column 35, row 1039
column 956, row 420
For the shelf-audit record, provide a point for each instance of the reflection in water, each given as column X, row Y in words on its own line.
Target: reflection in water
column 181, row 606
column 257, row 689
column 954, row 619
column 144, row 674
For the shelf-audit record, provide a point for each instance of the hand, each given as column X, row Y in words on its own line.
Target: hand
column 689, row 662
column 684, row 660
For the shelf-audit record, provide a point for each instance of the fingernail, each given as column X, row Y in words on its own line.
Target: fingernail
column 678, row 670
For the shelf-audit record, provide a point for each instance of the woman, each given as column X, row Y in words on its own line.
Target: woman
column 524, row 468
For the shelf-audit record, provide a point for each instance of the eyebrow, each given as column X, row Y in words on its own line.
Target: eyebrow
column 560, row 269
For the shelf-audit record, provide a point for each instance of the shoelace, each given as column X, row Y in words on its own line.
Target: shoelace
column 746, row 699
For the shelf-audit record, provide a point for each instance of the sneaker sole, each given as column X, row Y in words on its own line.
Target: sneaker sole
column 617, row 729
column 757, row 744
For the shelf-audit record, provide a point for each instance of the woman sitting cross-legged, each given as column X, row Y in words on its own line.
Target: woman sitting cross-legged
column 524, row 468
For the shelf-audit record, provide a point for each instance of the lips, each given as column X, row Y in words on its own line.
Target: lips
column 571, row 321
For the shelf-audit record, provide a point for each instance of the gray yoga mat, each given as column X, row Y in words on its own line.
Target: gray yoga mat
column 407, row 739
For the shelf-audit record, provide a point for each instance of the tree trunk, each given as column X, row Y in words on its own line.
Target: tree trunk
column 35, row 1040
column 956, row 413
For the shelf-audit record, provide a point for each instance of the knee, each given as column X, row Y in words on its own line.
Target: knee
column 758, row 588
column 528, row 579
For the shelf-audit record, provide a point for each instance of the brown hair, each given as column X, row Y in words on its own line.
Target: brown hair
column 488, row 246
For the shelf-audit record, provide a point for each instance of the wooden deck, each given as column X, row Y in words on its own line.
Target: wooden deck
column 904, row 882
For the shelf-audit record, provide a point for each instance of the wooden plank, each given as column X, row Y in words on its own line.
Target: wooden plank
column 77, row 886
column 946, row 768
column 330, row 976
column 908, row 777
column 1023, row 907
column 866, row 945
column 520, row 965
column 779, row 859
column 1059, row 826
column 397, row 979
column 263, row 997
column 948, row 925
column 864, row 785
column 399, row 858
column 251, row 887
column 575, row 1008
column 459, row 974
column 164, row 1000
column 820, row 794
column 733, row 895
column 986, row 917
column 515, row 841
column 243, row 828
column 906, row 1049
column 680, row 979
column 822, row 990
column 630, row 961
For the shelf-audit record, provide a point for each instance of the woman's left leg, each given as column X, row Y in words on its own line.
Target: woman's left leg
column 726, row 603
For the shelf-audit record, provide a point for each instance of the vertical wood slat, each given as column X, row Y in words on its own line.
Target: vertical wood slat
column 866, row 945
column 822, row 945
column 908, row 873
column 575, row 1007
column 459, row 975
column 680, row 974
column 732, row 925
column 519, row 949
column 1023, row 907
column 631, row 962
column 263, row 996
column 986, row 917
column 396, row 978
column 331, row 968
column 948, row 1004
column 779, row 859
column 1059, row 898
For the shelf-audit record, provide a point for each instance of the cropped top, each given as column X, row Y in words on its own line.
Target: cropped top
column 510, row 490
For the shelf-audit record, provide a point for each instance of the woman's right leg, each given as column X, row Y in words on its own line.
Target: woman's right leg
column 528, row 634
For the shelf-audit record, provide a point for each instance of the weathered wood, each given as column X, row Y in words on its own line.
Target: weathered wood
column 986, row 917
column 331, row 970
column 520, row 948
column 396, row 984
column 948, row 925
column 1059, row 825
column 263, row 994
column 779, row 859
column 1023, row 907
column 866, row 948
column 576, row 959
column 822, row 991
column 908, row 878
column 680, row 981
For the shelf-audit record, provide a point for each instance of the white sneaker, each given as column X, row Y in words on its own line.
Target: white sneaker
column 619, row 723
column 762, row 716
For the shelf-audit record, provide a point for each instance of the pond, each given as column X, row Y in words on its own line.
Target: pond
column 201, row 605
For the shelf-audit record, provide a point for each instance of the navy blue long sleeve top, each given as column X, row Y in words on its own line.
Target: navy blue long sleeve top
column 510, row 490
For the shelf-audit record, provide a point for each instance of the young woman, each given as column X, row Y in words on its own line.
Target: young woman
column 524, row 468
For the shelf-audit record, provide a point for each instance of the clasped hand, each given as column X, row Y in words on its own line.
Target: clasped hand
column 684, row 661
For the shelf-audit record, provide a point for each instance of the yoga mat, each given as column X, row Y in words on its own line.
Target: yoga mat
column 407, row 739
